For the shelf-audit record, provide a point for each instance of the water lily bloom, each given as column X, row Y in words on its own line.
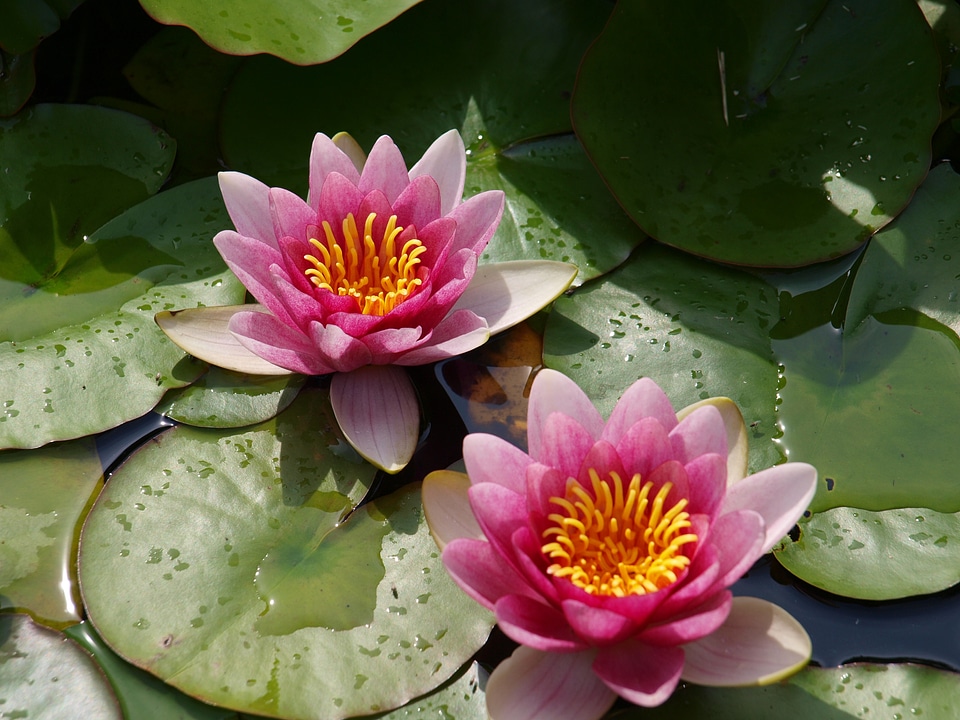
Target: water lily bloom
column 608, row 548
column 376, row 269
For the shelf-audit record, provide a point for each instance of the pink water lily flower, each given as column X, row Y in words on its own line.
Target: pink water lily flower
column 376, row 269
column 608, row 548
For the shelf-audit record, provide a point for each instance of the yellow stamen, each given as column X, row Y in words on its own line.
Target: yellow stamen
column 615, row 543
column 375, row 273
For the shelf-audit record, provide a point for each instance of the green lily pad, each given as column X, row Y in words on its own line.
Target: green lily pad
column 774, row 138
column 44, row 494
column 697, row 329
column 44, row 674
column 17, row 81
column 24, row 23
column 86, row 354
column 876, row 555
column 224, row 399
column 517, row 133
column 299, row 31
column 141, row 695
column 858, row 690
column 306, row 606
column 460, row 698
column 868, row 405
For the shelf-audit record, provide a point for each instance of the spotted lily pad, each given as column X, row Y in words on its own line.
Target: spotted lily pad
column 299, row 31
column 308, row 604
column 779, row 136
column 90, row 356
column 858, row 690
column 44, row 494
column 44, row 674
column 517, row 133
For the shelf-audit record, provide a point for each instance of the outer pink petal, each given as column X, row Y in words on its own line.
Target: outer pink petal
column 290, row 214
column 692, row 626
column 597, row 626
column 535, row 624
column 419, row 203
column 643, row 674
column 477, row 220
column 325, row 158
column 555, row 392
column 644, row 447
column 251, row 260
column 499, row 512
column 531, row 685
column 700, row 432
column 492, row 459
column 642, row 399
column 481, row 572
column 446, row 162
column 342, row 352
column 385, row 170
column 780, row 494
column 564, row 443
column 247, row 204
column 758, row 644
column 377, row 410
column 386, row 345
column 738, row 540
column 458, row 333
column 266, row 336
column 707, row 476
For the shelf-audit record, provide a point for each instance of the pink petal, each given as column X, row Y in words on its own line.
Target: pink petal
column 700, row 432
column 780, row 494
column 564, row 443
column 643, row 674
column 532, row 685
column 290, row 214
column 342, row 352
column 446, row 507
column 738, row 540
column 636, row 607
column 528, row 560
column 644, row 447
column 670, row 472
column 758, row 644
column 737, row 442
column 386, row 345
column 554, row 392
column 266, row 336
column 458, row 333
column 492, row 459
column 246, row 201
column 707, row 477
column 693, row 625
column 542, row 483
column 535, row 624
column 598, row 626
column 499, row 512
column 338, row 198
column 701, row 582
column 419, row 203
column 326, row 158
column 641, row 400
column 385, row 170
column 251, row 260
column 477, row 220
column 377, row 410
column 446, row 162
column 481, row 572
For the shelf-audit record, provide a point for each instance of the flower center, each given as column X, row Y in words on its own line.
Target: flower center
column 378, row 274
column 616, row 541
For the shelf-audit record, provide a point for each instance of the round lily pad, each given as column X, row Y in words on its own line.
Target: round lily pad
column 776, row 136
column 249, row 578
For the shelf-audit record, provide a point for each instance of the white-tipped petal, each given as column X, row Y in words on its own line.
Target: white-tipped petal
column 204, row 333
column 758, row 644
column 446, row 506
column 737, row 442
column 351, row 148
column 446, row 162
column 535, row 685
column 377, row 409
column 507, row 293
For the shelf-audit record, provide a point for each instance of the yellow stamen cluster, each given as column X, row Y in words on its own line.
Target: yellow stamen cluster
column 617, row 541
column 378, row 274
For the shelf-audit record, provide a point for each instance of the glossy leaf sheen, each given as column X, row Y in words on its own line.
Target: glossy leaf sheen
column 44, row 674
column 768, row 155
column 291, row 618
column 94, row 357
column 299, row 31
